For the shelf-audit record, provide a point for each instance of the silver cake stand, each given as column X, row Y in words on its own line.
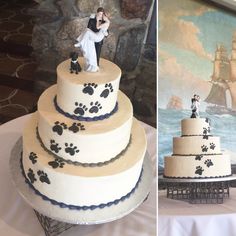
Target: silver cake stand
column 55, row 220
column 198, row 191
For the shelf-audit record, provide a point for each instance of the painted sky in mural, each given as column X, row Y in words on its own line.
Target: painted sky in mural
column 189, row 32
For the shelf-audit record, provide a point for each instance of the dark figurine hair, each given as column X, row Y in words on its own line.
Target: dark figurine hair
column 100, row 9
column 74, row 64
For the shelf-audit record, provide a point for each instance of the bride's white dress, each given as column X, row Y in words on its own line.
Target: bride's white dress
column 86, row 43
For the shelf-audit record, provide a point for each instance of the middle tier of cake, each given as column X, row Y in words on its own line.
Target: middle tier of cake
column 194, row 145
column 88, row 142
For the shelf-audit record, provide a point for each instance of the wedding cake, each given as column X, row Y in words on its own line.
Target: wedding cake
column 196, row 154
column 83, row 148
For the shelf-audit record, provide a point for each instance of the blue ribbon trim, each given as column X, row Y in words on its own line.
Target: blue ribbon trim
column 74, row 207
column 82, row 118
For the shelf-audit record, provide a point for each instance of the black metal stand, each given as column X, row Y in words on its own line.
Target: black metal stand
column 52, row 227
column 199, row 192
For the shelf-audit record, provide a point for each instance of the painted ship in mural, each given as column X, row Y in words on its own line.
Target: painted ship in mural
column 175, row 103
column 222, row 97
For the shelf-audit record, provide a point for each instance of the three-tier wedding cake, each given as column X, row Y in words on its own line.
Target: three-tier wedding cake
column 197, row 154
column 83, row 148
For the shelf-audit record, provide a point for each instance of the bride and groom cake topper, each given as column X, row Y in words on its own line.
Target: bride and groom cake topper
column 195, row 106
column 91, row 39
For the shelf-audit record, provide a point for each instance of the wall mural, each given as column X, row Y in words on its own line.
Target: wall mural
column 197, row 55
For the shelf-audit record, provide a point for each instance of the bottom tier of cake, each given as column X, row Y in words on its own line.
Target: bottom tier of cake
column 197, row 166
column 76, row 186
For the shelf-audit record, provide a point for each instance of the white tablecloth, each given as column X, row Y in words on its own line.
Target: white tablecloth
column 18, row 219
column 179, row 218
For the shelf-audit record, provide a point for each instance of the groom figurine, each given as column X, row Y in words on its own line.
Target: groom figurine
column 92, row 24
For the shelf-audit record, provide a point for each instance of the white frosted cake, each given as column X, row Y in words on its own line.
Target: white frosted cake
column 83, row 149
column 196, row 154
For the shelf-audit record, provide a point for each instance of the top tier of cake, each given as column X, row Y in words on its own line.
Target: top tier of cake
column 86, row 95
column 199, row 126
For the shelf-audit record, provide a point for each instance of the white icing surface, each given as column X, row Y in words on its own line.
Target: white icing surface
column 195, row 144
column 196, row 126
column 79, row 185
column 71, row 93
column 186, row 166
column 98, row 142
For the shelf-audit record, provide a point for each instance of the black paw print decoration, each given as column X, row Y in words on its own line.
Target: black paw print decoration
column 209, row 129
column 199, row 170
column 108, row 89
column 198, row 157
column 54, row 146
column 76, row 127
column 205, row 137
column 33, row 157
column 43, row 177
column 205, row 131
column 89, row 88
column 204, row 148
column 95, row 107
column 71, row 149
column 59, row 127
column 31, row 176
column 208, row 163
column 57, row 163
column 212, row 146
column 80, row 109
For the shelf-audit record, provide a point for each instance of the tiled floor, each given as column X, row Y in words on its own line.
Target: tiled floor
column 16, row 27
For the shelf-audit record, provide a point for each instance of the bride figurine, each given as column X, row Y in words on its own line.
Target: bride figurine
column 86, row 42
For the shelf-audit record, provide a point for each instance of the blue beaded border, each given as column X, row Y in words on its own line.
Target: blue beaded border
column 204, row 154
column 81, row 118
column 74, row 207
column 210, row 177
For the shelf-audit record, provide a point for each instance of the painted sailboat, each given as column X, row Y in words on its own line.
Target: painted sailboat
column 222, row 97
column 175, row 103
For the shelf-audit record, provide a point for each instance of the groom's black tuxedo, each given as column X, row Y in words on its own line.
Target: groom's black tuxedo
column 92, row 24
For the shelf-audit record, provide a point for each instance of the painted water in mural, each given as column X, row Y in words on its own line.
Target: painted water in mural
column 197, row 55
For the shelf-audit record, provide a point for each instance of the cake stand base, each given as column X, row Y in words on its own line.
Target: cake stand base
column 198, row 191
column 52, row 227
column 56, row 220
